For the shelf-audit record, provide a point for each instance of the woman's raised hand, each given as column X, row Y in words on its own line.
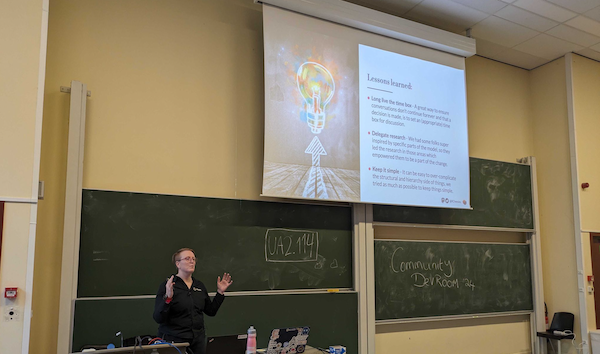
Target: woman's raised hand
column 223, row 283
column 169, row 287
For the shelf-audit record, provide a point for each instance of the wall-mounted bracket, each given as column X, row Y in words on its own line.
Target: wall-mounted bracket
column 67, row 89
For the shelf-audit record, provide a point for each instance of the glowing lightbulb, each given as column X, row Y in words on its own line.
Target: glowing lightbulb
column 316, row 85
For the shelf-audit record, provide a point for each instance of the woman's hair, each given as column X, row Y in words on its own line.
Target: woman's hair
column 176, row 254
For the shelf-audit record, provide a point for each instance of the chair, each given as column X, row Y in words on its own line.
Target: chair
column 561, row 321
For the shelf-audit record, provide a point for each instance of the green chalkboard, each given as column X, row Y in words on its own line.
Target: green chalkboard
column 332, row 318
column 127, row 240
column 500, row 197
column 424, row 279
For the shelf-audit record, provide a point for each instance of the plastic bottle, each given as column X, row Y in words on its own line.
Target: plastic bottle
column 251, row 343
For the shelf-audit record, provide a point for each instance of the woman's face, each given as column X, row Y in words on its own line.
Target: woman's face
column 186, row 262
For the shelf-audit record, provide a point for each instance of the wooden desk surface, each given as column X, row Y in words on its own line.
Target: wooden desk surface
column 144, row 349
column 168, row 349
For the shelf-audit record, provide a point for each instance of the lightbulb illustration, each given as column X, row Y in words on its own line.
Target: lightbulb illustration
column 316, row 85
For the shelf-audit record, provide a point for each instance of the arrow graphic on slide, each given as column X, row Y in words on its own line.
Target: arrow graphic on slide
column 315, row 187
column 316, row 149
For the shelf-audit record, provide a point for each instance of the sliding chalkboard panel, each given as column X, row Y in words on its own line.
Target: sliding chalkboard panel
column 127, row 240
column 500, row 197
column 332, row 318
column 424, row 279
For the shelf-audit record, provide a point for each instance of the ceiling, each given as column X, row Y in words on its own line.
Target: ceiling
column 523, row 33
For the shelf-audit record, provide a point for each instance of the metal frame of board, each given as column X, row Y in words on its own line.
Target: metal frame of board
column 72, row 230
column 72, row 219
column 577, row 221
column 363, row 248
column 85, row 299
column 363, row 283
column 536, row 317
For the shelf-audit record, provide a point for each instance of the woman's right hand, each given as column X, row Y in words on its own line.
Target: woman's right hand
column 169, row 287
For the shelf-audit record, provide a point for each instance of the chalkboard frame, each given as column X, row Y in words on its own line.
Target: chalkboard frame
column 363, row 213
column 453, row 317
column 501, row 200
column 530, row 270
column 222, row 231
column 96, row 320
column 332, row 225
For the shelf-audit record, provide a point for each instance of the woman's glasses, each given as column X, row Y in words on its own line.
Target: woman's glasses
column 188, row 259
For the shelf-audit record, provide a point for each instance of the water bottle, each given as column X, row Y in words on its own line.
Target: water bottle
column 251, row 343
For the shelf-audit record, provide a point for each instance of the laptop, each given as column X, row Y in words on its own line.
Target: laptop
column 288, row 340
column 232, row 344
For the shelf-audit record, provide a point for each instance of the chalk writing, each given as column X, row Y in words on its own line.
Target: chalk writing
column 284, row 245
column 430, row 272
column 400, row 266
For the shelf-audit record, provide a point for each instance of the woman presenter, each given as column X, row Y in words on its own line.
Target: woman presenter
column 181, row 301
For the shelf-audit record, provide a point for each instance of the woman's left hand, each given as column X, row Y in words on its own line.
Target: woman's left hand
column 223, row 283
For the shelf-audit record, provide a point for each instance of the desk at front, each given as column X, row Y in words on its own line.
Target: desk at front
column 144, row 349
column 168, row 349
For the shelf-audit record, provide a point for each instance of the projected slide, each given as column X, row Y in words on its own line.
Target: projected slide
column 311, row 133
column 346, row 121
column 413, row 135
